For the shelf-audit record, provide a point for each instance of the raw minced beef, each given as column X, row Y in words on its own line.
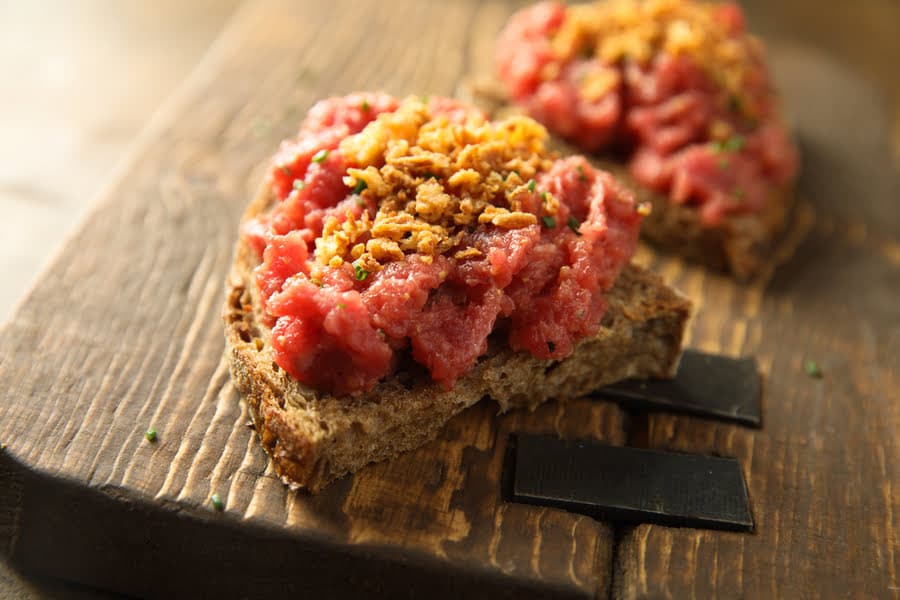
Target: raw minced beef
column 417, row 227
column 678, row 85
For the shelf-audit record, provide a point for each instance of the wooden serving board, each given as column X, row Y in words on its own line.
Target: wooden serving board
column 122, row 333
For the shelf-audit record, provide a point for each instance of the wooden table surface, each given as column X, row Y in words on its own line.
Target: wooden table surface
column 122, row 332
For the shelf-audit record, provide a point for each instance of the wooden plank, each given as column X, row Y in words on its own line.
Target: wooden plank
column 123, row 333
column 823, row 470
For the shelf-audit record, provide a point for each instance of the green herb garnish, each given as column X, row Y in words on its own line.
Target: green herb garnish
column 531, row 185
column 361, row 273
column 365, row 106
column 341, row 306
column 217, row 502
column 549, row 221
column 573, row 224
column 812, row 369
column 262, row 127
column 150, row 435
column 581, row 175
column 543, row 196
column 320, row 156
column 732, row 144
column 307, row 75
column 361, row 186
column 299, row 184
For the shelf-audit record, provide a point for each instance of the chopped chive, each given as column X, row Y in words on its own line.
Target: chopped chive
column 299, row 184
column 361, row 273
column 307, row 75
column 549, row 221
column 531, row 185
column 320, row 156
column 341, row 306
column 365, row 106
column 150, row 435
column 573, row 224
column 581, row 175
column 544, row 196
column 812, row 369
column 262, row 127
column 732, row 144
column 361, row 186
column 217, row 502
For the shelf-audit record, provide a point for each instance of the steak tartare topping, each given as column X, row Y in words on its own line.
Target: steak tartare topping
column 679, row 86
column 419, row 228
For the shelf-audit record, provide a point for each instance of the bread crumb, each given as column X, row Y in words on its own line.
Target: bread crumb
column 431, row 179
column 613, row 30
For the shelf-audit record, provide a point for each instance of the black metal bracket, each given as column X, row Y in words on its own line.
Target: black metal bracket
column 630, row 484
column 706, row 385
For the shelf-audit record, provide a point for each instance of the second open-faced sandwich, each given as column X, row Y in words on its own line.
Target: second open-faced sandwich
column 407, row 258
column 674, row 97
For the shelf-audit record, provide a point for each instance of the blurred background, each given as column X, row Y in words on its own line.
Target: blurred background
column 80, row 79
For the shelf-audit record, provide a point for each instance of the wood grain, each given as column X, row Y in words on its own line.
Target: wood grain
column 125, row 334
column 823, row 471
column 122, row 333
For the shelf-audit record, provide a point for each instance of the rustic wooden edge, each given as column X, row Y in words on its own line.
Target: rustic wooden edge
column 190, row 551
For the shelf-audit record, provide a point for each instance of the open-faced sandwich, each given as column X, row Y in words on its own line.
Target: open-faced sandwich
column 675, row 98
column 405, row 259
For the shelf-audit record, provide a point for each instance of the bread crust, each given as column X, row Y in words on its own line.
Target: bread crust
column 314, row 438
column 741, row 244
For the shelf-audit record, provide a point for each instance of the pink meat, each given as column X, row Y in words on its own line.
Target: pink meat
column 342, row 335
column 661, row 112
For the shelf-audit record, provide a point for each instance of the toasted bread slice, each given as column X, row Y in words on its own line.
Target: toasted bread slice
column 314, row 438
column 743, row 244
